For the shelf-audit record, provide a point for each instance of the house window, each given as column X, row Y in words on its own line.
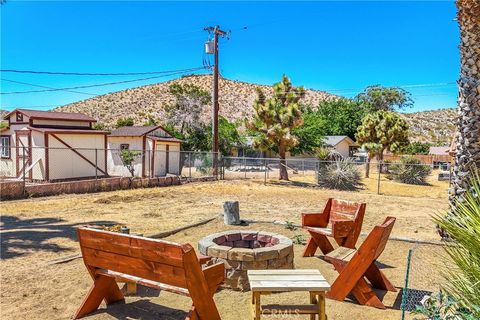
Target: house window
column 5, row 146
column 19, row 117
column 124, row 146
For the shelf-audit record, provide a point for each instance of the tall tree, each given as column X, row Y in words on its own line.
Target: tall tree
column 190, row 101
column 380, row 131
column 311, row 133
column 341, row 116
column 467, row 138
column 275, row 119
column 376, row 98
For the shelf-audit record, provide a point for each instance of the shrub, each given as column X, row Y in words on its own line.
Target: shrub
column 410, row 171
column 441, row 306
column 340, row 175
column 462, row 224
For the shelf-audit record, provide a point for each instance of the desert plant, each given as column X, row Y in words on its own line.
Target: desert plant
column 128, row 158
column 410, row 171
column 340, row 175
column 462, row 224
column 441, row 306
column 328, row 154
column 275, row 119
column 289, row 225
column 299, row 239
column 124, row 122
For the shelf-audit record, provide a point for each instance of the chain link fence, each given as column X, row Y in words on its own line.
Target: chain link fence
column 380, row 177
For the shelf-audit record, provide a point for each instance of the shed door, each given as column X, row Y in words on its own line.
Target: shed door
column 23, row 142
column 160, row 168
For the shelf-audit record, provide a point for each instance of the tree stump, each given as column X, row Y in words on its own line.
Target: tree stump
column 231, row 213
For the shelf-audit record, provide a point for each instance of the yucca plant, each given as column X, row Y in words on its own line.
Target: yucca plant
column 410, row 170
column 462, row 224
column 340, row 175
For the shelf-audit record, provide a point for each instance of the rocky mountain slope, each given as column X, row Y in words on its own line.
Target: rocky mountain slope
column 236, row 100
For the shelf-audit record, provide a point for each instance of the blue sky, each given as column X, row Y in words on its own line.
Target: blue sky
column 339, row 47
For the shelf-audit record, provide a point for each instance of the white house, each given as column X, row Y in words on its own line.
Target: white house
column 159, row 151
column 344, row 145
column 52, row 146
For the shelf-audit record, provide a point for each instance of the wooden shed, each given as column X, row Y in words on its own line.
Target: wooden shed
column 52, row 146
column 159, row 151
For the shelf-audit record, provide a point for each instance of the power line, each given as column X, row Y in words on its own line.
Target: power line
column 100, row 84
column 91, row 73
column 50, row 88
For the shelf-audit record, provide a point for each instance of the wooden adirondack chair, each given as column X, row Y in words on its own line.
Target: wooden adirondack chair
column 356, row 265
column 341, row 220
column 158, row 264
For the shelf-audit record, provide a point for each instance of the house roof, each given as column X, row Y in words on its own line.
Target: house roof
column 52, row 115
column 439, row 150
column 71, row 131
column 133, row 131
column 334, row 140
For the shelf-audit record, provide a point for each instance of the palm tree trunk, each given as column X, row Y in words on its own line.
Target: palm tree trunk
column 467, row 137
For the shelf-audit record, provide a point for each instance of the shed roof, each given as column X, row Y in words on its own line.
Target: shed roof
column 334, row 140
column 52, row 115
column 168, row 139
column 133, row 131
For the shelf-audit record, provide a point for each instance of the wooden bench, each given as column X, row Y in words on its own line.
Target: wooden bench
column 356, row 265
column 340, row 220
column 158, row 264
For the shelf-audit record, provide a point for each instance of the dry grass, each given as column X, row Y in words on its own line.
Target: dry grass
column 35, row 231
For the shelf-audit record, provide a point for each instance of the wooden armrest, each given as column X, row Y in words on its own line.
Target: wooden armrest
column 215, row 275
column 203, row 259
column 319, row 220
column 342, row 228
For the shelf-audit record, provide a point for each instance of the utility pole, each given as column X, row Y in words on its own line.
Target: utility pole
column 216, row 33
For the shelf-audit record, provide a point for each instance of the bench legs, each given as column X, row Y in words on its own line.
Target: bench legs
column 103, row 288
column 317, row 241
column 360, row 290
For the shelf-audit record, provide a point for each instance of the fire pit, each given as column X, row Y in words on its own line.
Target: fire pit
column 247, row 250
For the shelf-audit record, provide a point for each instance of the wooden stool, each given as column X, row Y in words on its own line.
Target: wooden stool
column 268, row 281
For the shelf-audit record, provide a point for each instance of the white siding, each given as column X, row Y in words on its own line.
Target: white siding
column 160, row 162
column 66, row 164
column 343, row 148
column 174, row 158
column 114, row 161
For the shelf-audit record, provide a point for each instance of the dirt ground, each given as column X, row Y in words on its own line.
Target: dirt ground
column 36, row 231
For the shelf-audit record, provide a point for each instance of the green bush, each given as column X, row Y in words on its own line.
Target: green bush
column 410, row 171
column 340, row 175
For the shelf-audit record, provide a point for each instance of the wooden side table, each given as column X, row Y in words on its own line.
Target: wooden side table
column 268, row 281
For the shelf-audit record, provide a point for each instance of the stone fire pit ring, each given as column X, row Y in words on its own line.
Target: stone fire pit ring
column 242, row 250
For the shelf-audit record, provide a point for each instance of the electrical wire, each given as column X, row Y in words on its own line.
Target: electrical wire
column 50, row 88
column 100, row 84
column 91, row 73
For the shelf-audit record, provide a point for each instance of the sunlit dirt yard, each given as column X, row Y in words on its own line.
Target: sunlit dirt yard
column 34, row 232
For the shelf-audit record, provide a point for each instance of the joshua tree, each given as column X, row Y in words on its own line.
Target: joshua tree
column 380, row 131
column 275, row 118
column 467, row 138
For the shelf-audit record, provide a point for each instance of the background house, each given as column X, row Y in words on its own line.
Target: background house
column 51, row 146
column 160, row 152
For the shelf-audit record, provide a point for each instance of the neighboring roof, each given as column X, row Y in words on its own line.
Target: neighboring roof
column 439, row 150
column 72, row 131
column 167, row 139
column 334, row 140
column 52, row 115
column 133, row 131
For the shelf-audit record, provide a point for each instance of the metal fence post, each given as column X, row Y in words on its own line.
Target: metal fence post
column 265, row 174
column 96, row 164
column 379, row 169
column 403, row 306
column 245, row 166
column 190, row 164
column 303, row 166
